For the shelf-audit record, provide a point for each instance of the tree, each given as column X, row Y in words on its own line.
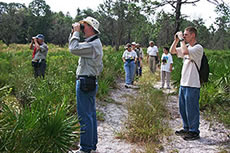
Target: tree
column 222, row 35
column 60, row 30
column 40, row 17
column 12, row 21
column 150, row 6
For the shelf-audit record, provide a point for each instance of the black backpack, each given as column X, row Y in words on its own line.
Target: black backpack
column 204, row 69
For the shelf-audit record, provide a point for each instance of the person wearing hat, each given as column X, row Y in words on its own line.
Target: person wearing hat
column 90, row 65
column 152, row 56
column 139, row 53
column 40, row 50
column 129, row 58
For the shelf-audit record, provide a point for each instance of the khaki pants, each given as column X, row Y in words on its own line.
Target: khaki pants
column 152, row 64
column 166, row 75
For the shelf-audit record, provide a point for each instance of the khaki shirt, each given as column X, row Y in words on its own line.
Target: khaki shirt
column 90, row 62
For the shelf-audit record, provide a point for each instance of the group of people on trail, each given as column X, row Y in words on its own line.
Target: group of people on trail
column 90, row 66
column 132, row 58
column 189, row 92
column 133, row 61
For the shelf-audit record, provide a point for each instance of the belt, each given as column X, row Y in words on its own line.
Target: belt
column 129, row 60
column 86, row 76
column 152, row 56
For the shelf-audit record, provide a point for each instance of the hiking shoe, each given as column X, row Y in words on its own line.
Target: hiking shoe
column 181, row 132
column 127, row 86
column 80, row 151
column 168, row 88
column 191, row 136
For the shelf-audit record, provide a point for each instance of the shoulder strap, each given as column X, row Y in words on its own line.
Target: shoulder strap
column 93, row 38
column 195, row 62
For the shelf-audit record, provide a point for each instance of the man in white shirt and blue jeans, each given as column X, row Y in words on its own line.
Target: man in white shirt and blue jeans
column 189, row 92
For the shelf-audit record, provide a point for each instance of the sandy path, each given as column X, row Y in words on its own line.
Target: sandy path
column 214, row 136
column 115, row 115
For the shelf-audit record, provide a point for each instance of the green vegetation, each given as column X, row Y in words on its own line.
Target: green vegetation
column 41, row 114
column 215, row 95
column 147, row 114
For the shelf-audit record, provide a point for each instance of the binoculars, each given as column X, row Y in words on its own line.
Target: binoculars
column 81, row 27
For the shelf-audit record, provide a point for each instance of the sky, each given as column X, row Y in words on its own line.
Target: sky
column 203, row 9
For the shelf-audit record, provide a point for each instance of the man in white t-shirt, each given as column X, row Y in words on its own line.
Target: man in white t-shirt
column 152, row 56
column 189, row 92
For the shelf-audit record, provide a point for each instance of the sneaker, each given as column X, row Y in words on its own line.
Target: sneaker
column 191, row 136
column 80, row 151
column 127, row 86
column 181, row 132
column 94, row 151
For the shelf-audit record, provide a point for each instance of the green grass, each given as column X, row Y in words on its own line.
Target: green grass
column 147, row 114
column 39, row 115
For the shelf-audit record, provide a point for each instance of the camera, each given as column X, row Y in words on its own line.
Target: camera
column 164, row 61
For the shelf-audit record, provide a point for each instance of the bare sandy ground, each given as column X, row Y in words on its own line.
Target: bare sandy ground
column 214, row 136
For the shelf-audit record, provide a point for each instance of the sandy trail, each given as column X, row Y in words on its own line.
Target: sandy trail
column 115, row 115
column 214, row 136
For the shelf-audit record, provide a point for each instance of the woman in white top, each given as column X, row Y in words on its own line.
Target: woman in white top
column 129, row 58
column 166, row 67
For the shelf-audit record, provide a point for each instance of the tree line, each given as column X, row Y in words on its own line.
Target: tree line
column 121, row 21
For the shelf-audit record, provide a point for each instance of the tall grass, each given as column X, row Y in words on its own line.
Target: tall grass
column 147, row 114
column 39, row 115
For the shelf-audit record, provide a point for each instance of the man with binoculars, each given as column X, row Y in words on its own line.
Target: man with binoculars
column 89, row 67
column 40, row 50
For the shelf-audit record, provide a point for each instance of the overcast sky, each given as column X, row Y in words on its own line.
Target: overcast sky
column 203, row 9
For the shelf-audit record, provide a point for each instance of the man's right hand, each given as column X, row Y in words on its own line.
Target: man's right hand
column 76, row 27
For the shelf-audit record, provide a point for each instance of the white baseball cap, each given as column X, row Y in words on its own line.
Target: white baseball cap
column 93, row 22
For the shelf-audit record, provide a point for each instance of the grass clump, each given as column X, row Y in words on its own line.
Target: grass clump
column 147, row 114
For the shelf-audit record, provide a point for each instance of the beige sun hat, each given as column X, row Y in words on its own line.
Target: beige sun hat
column 93, row 22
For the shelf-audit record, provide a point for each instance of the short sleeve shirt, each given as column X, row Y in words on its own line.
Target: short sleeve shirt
column 152, row 51
column 166, row 61
column 129, row 55
column 189, row 74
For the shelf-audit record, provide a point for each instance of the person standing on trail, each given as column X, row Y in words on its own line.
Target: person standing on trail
column 166, row 67
column 90, row 65
column 129, row 58
column 40, row 50
column 139, row 53
column 189, row 92
column 152, row 56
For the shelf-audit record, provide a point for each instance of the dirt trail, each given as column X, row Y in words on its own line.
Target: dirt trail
column 214, row 136
column 115, row 115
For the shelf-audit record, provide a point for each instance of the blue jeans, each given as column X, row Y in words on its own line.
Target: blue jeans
column 129, row 71
column 189, row 108
column 86, row 109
